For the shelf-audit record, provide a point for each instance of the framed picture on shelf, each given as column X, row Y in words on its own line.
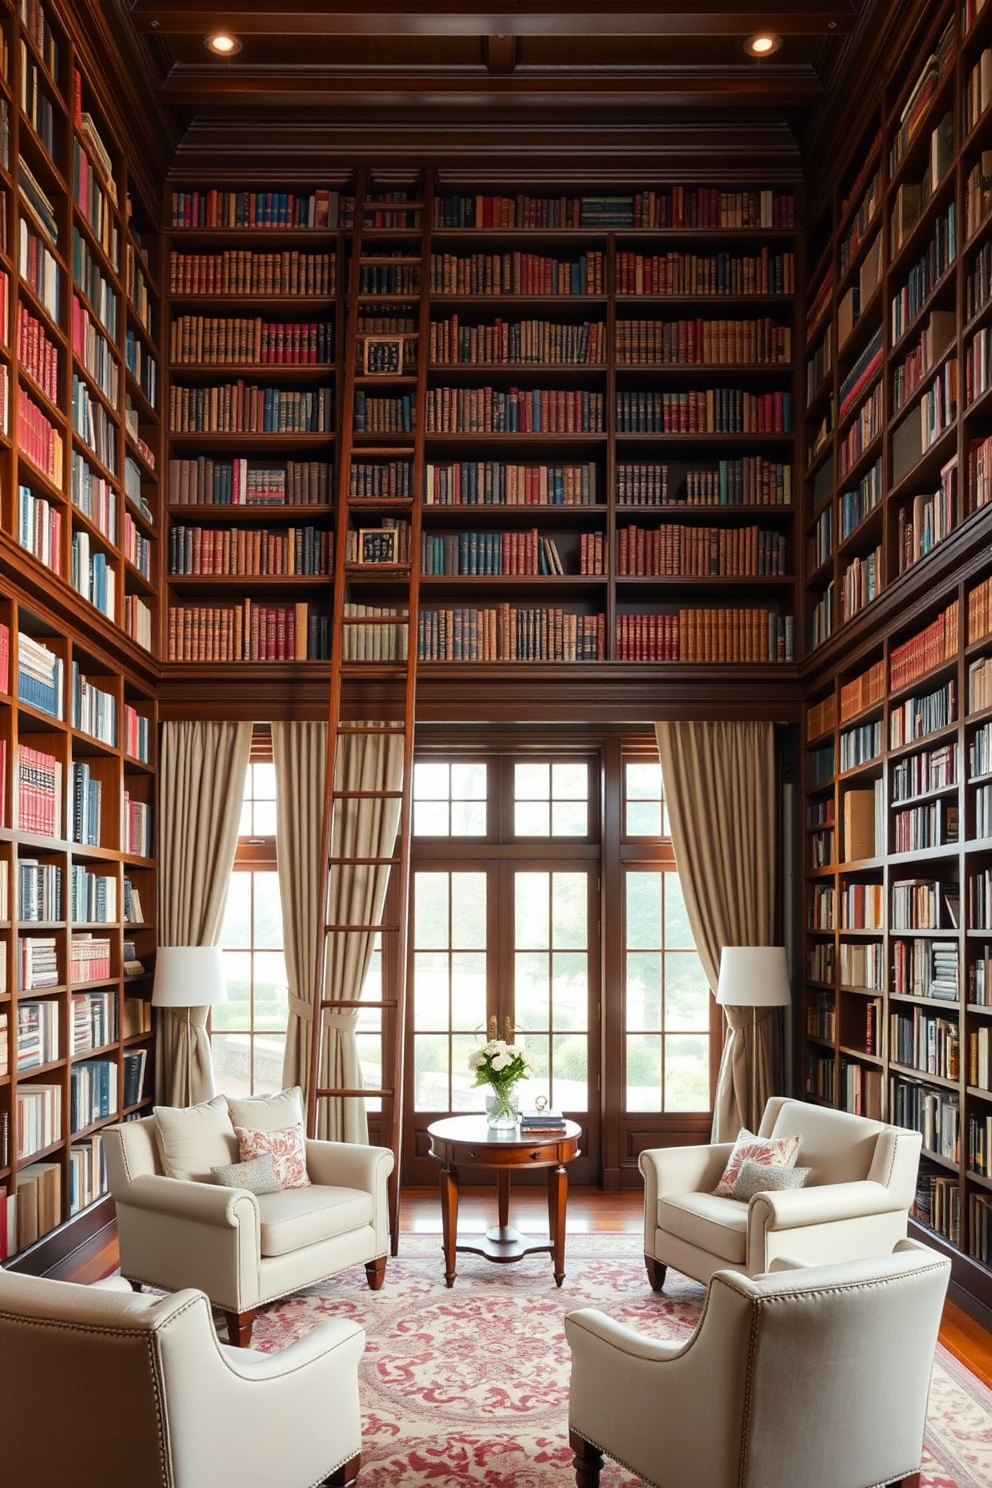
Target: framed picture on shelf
column 377, row 544
column 383, row 356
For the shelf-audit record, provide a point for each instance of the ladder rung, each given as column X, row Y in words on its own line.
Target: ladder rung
column 386, row 929
column 384, row 728
column 328, row 1094
column 361, row 862
column 375, row 619
column 356, row 1006
column 367, row 795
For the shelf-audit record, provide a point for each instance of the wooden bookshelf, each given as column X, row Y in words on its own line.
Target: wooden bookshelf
column 896, row 530
column 79, row 583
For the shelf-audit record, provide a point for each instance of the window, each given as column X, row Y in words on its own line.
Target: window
column 248, row 1032
column 449, row 799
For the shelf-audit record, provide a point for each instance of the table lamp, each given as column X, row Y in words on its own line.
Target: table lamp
column 753, row 976
column 188, row 977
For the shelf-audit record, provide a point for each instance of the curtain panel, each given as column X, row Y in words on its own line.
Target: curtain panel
column 719, row 783
column 202, row 769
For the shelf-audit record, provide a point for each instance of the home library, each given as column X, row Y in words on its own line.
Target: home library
column 508, row 353
column 79, row 572
column 896, row 590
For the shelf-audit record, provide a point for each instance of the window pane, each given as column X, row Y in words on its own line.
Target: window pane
column 569, row 819
column 268, row 910
column 643, row 782
column 532, row 782
column 531, row 990
column 469, row 781
column 468, row 911
column 244, row 821
column 570, row 990
column 370, row 1062
column 531, row 896
column 430, row 990
column 468, row 818
column 231, row 1054
column 570, row 781
column 236, row 1011
column 539, row 1082
column 264, row 819
column 430, row 781
column 465, row 1094
column 644, row 991
column 678, row 936
column 468, row 990
column 430, row 818
column 263, row 781
column 531, row 819
column 237, row 914
column 643, row 1072
column 643, row 911
column 268, row 1059
column 687, row 1073
column 643, row 795
column 570, row 1053
column 430, row 1072
column 271, row 992
column 430, row 920
column 687, row 993
column 643, row 818
column 569, row 906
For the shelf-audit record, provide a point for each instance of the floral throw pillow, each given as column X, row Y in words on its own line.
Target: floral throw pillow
column 288, row 1149
column 773, row 1152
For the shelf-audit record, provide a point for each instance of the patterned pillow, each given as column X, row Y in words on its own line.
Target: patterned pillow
column 773, row 1152
column 755, row 1177
column 288, row 1149
column 258, row 1176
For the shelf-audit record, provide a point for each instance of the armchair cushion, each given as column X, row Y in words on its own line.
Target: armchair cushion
column 755, row 1177
column 194, row 1139
column 774, row 1152
column 288, row 1148
column 297, row 1217
column 713, row 1223
column 258, row 1175
column 268, row 1112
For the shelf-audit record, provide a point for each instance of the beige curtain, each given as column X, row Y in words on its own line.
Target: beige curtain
column 720, row 790
column 299, row 751
column 201, row 787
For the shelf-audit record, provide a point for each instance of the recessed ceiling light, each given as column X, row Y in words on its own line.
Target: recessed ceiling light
column 763, row 44
column 222, row 44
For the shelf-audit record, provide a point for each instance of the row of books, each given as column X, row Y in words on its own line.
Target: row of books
column 509, row 633
column 94, row 496
column 931, row 647
column 675, row 549
column 861, row 582
column 242, row 271
column 919, row 716
column 978, row 282
column 933, row 824
column 247, row 631
column 39, row 268
column 495, row 483
column 935, row 1114
column 92, row 896
column 860, row 1090
column 389, row 278
column 93, row 424
column 709, row 411
column 920, row 1041
column 87, row 1173
column 384, row 415
column 87, row 800
column 493, row 553
column 516, row 273
column 662, row 207
column 38, row 1201
column 243, row 408
column 92, row 575
column 39, row 528
column 251, row 551
column 321, row 209
column 38, row 792
column 926, row 968
column 89, row 959
column 137, row 824
column 862, row 906
column 38, row 438
column 706, row 635
column 517, row 410
column 924, row 276
column 861, row 965
column 860, row 745
column 206, row 481
column 137, row 547
column 980, row 684
column 98, row 289
column 142, row 366
column 928, row 81
column 391, row 480
column 94, row 201
column 93, row 1022
column 862, row 692
column 980, row 752
column 39, row 890
column 929, row 770
column 980, row 611
column 37, row 1033
column 749, row 481
column 864, row 429
column 37, row 353
column 698, row 341
column 93, row 349
column 212, row 340
column 92, row 1092
column 923, row 904
column 763, row 273
column 544, row 342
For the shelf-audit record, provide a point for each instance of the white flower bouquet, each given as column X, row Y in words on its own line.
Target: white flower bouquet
column 500, row 1065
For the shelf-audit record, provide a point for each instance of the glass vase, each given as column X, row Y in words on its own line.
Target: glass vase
column 502, row 1107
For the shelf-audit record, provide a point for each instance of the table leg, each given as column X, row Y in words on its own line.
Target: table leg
column 449, row 1220
column 557, row 1198
column 503, row 1196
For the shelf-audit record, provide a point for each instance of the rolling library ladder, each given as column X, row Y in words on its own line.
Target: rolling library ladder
column 367, row 814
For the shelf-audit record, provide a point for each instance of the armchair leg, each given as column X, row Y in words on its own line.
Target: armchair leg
column 135, row 1286
column 656, row 1273
column 588, row 1461
column 345, row 1475
column 913, row 1481
column 376, row 1273
column 239, row 1326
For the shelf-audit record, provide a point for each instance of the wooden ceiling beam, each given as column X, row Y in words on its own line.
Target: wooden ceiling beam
column 526, row 18
column 278, row 86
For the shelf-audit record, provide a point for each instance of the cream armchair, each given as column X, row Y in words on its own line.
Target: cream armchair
column 102, row 1387
column 856, row 1201
column 816, row 1377
column 243, row 1249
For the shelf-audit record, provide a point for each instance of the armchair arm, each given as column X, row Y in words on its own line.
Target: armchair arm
column 669, row 1170
column 791, row 1209
column 250, row 1364
column 595, row 1324
column 204, row 1203
column 832, row 1222
column 348, row 1165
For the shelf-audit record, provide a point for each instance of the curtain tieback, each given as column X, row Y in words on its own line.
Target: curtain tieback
column 300, row 1009
column 336, row 1018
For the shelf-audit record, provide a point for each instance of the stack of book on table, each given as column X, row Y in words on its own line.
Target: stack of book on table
column 541, row 1123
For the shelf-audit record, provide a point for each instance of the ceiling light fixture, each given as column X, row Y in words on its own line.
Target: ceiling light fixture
column 763, row 44
column 222, row 44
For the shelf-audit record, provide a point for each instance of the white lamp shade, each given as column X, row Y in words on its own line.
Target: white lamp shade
column 754, row 976
column 189, row 976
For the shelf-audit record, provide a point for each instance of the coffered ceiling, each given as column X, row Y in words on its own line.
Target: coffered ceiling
column 549, row 63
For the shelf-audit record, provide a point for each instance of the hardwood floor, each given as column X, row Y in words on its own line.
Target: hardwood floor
column 590, row 1212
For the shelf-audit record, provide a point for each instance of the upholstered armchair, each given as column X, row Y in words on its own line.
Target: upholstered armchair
column 104, row 1387
column 245, row 1249
column 816, row 1376
column 855, row 1203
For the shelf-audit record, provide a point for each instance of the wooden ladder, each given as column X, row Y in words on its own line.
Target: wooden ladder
column 371, row 696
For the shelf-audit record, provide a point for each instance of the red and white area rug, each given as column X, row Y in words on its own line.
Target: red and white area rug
column 470, row 1386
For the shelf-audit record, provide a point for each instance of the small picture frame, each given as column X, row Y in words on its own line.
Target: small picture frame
column 377, row 544
column 383, row 356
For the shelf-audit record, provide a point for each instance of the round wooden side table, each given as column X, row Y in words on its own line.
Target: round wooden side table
column 470, row 1140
